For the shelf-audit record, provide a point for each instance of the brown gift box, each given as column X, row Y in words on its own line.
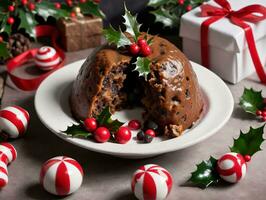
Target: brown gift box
column 80, row 33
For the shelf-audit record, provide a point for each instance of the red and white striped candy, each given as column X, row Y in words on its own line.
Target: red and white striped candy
column 61, row 175
column 3, row 174
column 47, row 58
column 232, row 167
column 14, row 121
column 151, row 182
column 7, row 154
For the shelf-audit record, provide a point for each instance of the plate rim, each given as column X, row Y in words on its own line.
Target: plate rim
column 151, row 151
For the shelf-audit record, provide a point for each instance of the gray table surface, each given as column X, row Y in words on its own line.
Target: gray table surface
column 107, row 177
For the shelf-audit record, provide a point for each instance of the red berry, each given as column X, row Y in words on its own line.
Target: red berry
column 102, row 134
column 258, row 112
column 57, row 5
column 150, row 132
column 145, row 50
column 142, row 42
column 90, row 124
column 31, row 6
column 263, row 113
column 247, row 158
column 123, row 135
column 24, row 2
column 264, row 119
column 73, row 14
column 134, row 124
column 134, row 49
column 1, row 39
column 82, row 1
column 11, row 8
column 181, row 2
column 10, row 20
column 189, row 8
column 69, row 3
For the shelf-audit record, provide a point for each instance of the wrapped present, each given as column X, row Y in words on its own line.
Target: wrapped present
column 80, row 33
column 227, row 36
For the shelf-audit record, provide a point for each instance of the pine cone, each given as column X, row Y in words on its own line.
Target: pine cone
column 18, row 44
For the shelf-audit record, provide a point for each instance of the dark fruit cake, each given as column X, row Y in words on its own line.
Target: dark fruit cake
column 170, row 96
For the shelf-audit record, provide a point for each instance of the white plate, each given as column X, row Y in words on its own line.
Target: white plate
column 51, row 104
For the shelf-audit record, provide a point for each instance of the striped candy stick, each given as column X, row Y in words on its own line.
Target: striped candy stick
column 7, row 154
column 14, row 121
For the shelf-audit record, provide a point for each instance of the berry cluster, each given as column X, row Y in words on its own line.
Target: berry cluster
column 262, row 113
column 188, row 7
column 102, row 134
column 148, row 133
column 141, row 47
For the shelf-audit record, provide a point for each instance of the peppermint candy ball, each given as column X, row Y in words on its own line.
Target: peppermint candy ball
column 14, row 121
column 7, row 154
column 232, row 167
column 61, row 175
column 3, row 174
column 151, row 182
column 47, row 58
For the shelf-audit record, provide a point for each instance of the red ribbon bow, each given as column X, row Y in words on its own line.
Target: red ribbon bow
column 16, row 62
column 252, row 13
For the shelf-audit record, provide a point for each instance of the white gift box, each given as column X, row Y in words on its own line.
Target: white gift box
column 229, row 56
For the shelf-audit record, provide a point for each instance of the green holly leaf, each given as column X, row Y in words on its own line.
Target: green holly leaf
column 249, row 143
column 205, row 174
column 91, row 8
column 158, row 3
column 116, row 37
column 104, row 119
column 251, row 101
column 27, row 22
column 132, row 26
column 77, row 131
column 142, row 66
column 4, row 52
column 5, row 27
column 164, row 16
column 46, row 9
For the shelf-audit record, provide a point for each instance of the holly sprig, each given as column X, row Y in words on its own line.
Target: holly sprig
column 169, row 12
column 16, row 16
column 122, row 40
column 246, row 144
column 252, row 101
column 103, row 119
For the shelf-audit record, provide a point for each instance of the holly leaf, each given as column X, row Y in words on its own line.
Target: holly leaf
column 249, row 143
column 157, row 3
column 46, row 9
column 205, row 174
column 142, row 66
column 163, row 16
column 77, row 131
column 5, row 27
column 27, row 22
column 251, row 101
column 4, row 52
column 91, row 8
column 104, row 119
column 116, row 37
column 132, row 26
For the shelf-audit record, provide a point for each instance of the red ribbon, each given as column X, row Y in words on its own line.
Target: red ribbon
column 16, row 62
column 239, row 18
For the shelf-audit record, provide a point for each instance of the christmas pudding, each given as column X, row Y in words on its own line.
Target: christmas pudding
column 139, row 70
